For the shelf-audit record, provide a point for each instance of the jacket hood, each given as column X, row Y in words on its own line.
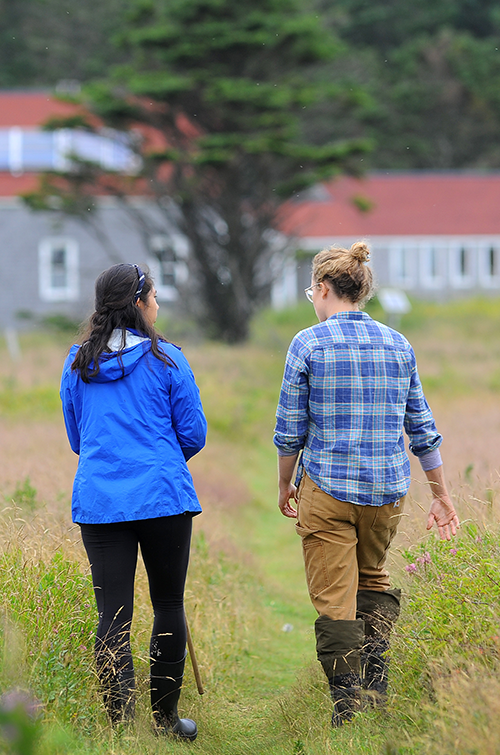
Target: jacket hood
column 118, row 363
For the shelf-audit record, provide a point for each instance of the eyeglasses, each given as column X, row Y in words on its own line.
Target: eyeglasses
column 309, row 291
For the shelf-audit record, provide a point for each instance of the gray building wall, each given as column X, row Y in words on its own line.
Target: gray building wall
column 27, row 240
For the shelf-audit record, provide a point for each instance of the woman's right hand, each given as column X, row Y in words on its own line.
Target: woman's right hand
column 285, row 494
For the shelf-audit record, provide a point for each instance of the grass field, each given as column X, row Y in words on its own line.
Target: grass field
column 264, row 690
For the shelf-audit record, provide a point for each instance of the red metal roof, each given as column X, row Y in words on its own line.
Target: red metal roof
column 400, row 204
column 12, row 186
column 31, row 109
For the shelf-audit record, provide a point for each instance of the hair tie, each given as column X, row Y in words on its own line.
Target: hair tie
column 140, row 284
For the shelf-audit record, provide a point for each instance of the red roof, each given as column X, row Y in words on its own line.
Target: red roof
column 12, row 186
column 399, row 204
column 31, row 109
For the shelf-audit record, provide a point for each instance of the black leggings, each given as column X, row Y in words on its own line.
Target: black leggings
column 112, row 551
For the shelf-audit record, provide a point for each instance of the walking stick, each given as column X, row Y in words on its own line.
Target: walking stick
column 194, row 662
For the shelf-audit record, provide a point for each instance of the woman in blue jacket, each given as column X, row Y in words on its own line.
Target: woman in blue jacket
column 133, row 414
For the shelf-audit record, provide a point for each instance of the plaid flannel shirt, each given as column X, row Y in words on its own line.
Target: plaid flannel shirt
column 350, row 389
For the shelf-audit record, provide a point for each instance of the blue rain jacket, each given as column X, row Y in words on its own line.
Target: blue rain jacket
column 134, row 433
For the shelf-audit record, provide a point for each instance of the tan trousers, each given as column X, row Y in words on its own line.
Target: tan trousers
column 345, row 548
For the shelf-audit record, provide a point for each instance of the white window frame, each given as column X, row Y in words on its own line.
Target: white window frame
column 486, row 279
column 430, row 281
column 458, row 277
column 47, row 291
column 180, row 246
column 402, row 265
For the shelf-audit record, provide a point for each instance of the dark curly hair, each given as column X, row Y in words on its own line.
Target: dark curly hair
column 116, row 297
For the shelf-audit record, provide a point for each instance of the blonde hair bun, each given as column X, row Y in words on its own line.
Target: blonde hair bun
column 345, row 271
column 360, row 252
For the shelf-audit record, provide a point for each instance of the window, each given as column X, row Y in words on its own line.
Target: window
column 489, row 265
column 58, row 269
column 402, row 266
column 431, row 274
column 23, row 149
column 168, row 264
column 461, row 260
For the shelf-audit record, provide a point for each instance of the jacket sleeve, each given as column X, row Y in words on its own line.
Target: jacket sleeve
column 188, row 418
column 69, row 408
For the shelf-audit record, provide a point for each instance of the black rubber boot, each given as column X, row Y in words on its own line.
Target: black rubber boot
column 345, row 690
column 115, row 670
column 118, row 691
column 166, row 683
column 379, row 611
column 338, row 645
column 119, row 699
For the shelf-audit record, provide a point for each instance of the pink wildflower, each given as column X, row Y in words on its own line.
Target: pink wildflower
column 411, row 568
column 453, row 551
column 425, row 559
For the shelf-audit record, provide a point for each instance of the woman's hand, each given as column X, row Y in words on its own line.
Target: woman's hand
column 287, row 490
column 442, row 512
column 285, row 494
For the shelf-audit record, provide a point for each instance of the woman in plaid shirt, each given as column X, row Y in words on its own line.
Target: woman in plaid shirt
column 350, row 391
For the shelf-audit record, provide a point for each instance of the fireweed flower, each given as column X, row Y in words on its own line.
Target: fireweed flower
column 425, row 559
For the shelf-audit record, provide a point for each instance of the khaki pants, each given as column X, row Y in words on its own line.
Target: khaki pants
column 345, row 547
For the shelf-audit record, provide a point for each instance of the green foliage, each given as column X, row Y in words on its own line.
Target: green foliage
column 362, row 203
column 44, row 41
column 447, row 641
column 47, row 631
column 19, row 729
column 33, row 402
column 454, row 599
column 428, row 78
column 24, row 495
column 60, row 323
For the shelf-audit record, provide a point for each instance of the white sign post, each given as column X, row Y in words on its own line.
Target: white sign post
column 394, row 303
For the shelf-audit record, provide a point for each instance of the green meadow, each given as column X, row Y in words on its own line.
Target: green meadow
column 246, row 601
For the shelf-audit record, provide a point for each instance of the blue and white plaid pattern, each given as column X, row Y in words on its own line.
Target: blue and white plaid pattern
column 350, row 389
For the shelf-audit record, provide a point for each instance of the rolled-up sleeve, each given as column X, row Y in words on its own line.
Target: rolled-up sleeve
column 292, row 416
column 419, row 423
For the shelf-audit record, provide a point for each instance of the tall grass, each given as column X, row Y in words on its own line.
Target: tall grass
column 264, row 690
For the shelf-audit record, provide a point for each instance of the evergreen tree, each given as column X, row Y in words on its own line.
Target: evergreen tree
column 226, row 84
column 429, row 80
